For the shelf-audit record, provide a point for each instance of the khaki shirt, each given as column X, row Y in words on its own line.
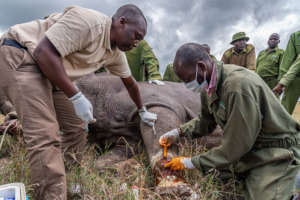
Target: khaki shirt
column 80, row 35
column 245, row 58
column 248, row 112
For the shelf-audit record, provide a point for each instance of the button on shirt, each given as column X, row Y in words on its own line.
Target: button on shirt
column 80, row 35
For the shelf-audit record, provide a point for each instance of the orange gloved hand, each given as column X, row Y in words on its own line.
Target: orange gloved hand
column 169, row 138
column 180, row 163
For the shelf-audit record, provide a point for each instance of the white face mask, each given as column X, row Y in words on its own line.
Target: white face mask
column 194, row 85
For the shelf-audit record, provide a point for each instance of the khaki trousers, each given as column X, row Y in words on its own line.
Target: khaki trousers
column 42, row 112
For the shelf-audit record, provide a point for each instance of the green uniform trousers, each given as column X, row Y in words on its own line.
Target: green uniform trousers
column 291, row 95
column 270, row 81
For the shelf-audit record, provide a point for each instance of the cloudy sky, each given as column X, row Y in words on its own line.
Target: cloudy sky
column 174, row 22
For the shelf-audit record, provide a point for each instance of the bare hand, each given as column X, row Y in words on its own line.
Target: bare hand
column 278, row 89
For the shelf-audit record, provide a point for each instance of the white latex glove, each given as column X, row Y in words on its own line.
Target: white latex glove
column 188, row 163
column 83, row 107
column 169, row 137
column 157, row 82
column 147, row 117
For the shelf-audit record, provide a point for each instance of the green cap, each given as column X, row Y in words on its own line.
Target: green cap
column 238, row 36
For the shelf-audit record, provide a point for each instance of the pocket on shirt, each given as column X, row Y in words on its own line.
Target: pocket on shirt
column 14, row 56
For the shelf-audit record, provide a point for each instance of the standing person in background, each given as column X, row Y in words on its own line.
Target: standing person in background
column 143, row 64
column 241, row 53
column 289, row 74
column 268, row 61
column 170, row 75
column 208, row 51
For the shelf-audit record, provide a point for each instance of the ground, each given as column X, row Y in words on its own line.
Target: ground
column 296, row 113
column 86, row 182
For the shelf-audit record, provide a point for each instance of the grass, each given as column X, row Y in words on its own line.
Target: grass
column 113, row 183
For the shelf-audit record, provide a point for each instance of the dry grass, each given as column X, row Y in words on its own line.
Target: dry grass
column 112, row 184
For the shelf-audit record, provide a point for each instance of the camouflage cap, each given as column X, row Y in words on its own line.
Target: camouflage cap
column 238, row 36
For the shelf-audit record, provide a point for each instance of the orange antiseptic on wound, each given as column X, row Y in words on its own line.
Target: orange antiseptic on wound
column 165, row 147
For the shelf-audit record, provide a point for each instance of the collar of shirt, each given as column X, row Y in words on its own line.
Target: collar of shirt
column 272, row 50
column 213, row 80
column 107, row 34
column 218, row 84
column 244, row 51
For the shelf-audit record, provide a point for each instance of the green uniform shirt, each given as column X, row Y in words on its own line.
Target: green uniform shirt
column 268, row 62
column 143, row 63
column 213, row 57
column 170, row 75
column 290, row 65
column 249, row 114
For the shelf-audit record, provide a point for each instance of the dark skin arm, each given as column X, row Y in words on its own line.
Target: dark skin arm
column 133, row 91
column 278, row 89
column 50, row 63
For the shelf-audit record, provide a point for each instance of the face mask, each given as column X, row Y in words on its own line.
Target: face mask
column 194, row 85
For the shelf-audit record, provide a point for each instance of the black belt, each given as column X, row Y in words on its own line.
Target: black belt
column 279, row 143
column 13, row 43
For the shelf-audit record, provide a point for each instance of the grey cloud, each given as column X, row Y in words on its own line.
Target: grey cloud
column 206, row 21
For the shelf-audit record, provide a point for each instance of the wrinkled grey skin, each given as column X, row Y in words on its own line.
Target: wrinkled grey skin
column 5, row 106
column 117, row 115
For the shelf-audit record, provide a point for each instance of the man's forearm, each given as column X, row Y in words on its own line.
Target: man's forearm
column 291, row 74
column 51, row 65
column 133, row 91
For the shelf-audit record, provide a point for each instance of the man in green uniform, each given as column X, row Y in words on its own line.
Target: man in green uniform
column 241, row 54
column 143, row 64
column 268, row 61
column 170, row 75
column 260, row 139
column 207, row 48
column 289, row 74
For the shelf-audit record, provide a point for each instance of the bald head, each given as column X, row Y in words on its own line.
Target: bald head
column 192, row 58
column 275, row 35
column 189, row 54
column 206, row 47
column 131, row 13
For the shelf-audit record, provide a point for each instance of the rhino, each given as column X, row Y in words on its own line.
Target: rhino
column 117, row 115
